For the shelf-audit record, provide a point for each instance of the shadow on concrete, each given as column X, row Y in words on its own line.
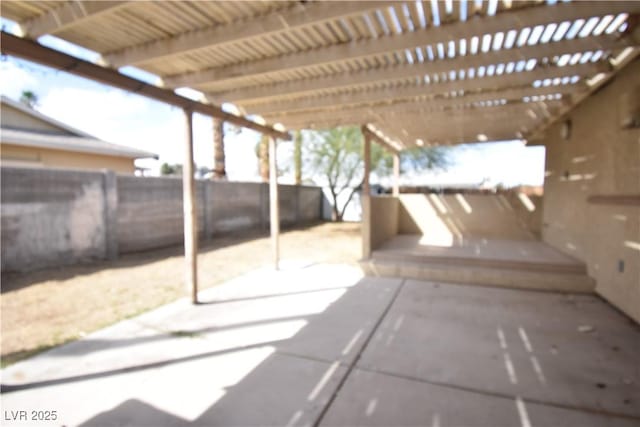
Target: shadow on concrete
column 300, row 374
column 319, row 371
column 295, row 384
column 120, row 371
column 91, row 345
column 121, row 416
column 377, row 352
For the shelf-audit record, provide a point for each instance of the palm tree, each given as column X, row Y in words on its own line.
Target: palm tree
column 219, row 169
column 262, row 151
column 297, row 157
column 29, row 98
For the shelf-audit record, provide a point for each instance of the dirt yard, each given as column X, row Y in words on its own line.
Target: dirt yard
column 46, row 308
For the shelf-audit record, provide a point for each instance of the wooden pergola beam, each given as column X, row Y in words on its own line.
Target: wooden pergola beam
column 471, row 127
column 375, row 135
column 33, row 51
column 432, row 139
column 418, row 121
column 529, row 111
column 505, row 21
column 67, row 15
column 459, row 113
column 500, row 85
column 516, row 110
column 247, row 95
column 403, row 115
column 301, row 15
column 426, row 131
column 377, row 114
column 357, row 120
column 511, row 96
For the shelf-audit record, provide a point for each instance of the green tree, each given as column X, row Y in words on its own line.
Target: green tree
column 424, row 158
column 166, row 169
column 336, row 156
column 29, row 98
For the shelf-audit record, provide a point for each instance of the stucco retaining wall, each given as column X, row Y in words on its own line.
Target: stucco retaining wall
column 498, row 216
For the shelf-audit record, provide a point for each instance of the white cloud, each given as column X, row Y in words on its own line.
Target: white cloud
column 69, row 48
column 135, row 121
column 15, row 80
column 91, row 109
column 509, row 163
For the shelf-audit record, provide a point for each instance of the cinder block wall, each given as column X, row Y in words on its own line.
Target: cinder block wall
column 60, row 217
column 243, row 206
column 51, row 217
column 592, row 189
column 150, row 212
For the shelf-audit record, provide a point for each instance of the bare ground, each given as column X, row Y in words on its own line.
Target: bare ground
column 46, row 308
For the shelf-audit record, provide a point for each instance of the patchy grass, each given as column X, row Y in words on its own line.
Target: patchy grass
column 46, row 308
column 16, row 356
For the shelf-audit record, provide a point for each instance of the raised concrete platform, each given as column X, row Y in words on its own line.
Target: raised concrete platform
column 526, row 264
column 320, row 345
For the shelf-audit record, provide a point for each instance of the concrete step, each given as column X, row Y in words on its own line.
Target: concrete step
column 510, row 274
column 470, row 261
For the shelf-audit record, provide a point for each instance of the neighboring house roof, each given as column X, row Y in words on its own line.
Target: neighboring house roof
column 69, row 143
column 39, row 116
column 71, row 140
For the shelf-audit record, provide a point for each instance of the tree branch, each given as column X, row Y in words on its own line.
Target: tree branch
column 353, row 191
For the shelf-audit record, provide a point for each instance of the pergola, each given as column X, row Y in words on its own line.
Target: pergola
column 412, row 73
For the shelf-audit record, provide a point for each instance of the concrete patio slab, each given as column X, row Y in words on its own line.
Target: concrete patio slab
column 284, row 390
column 341, row 330
column 481, row 249
column 320, row 344
column 371, row 399
column 513, row 343
column 177, row 361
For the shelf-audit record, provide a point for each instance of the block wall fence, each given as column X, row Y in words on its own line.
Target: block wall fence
column 62, row 217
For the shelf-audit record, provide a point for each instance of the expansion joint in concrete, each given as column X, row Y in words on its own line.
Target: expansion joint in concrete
column 498, row 394
column 364, row 346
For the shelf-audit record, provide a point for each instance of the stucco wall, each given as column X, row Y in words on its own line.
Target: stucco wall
column 384, row 219
column 61, row 159
column 445, row 218
column 57, row 217
column 599, row 159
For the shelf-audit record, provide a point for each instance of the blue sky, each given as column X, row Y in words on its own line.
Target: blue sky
column 128, row 119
